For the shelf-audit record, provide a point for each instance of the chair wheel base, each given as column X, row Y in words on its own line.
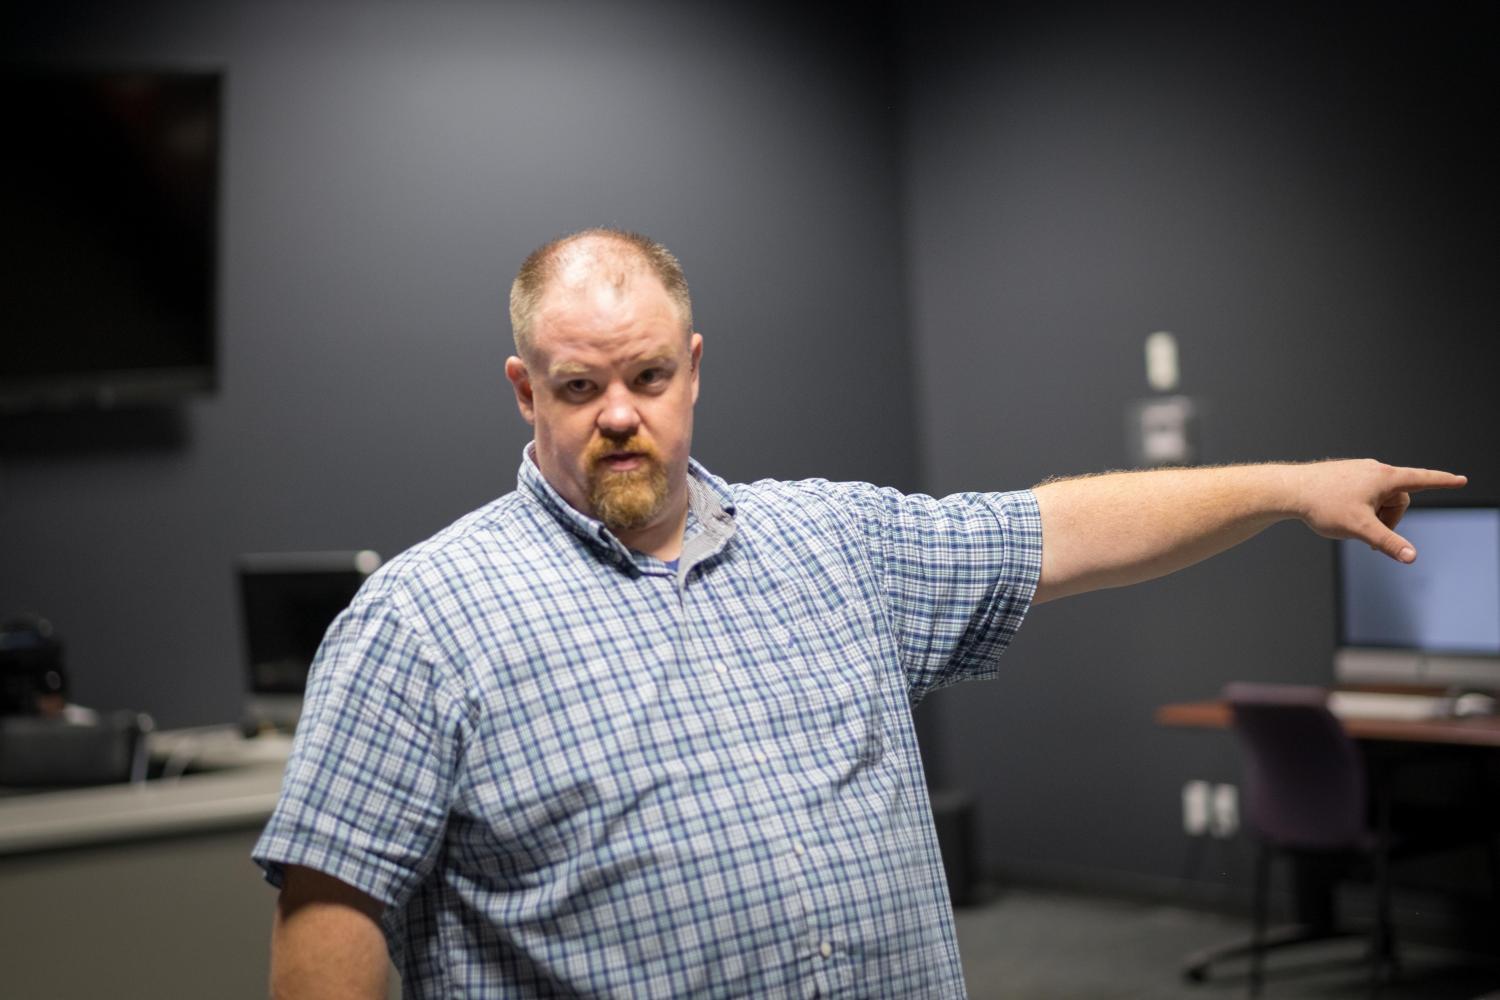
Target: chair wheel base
column 1197, row 965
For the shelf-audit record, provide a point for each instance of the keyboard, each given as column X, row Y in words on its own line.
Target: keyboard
column 1380, row 705
column 215, row 748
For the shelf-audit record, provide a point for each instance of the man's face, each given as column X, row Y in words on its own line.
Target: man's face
column 609, row 388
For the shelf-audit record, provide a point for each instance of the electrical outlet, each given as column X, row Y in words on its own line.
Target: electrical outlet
column 1224, row 808
column 1195, row 808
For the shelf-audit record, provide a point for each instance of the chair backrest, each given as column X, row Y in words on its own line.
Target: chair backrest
column 1304, row 778
column 42, row 752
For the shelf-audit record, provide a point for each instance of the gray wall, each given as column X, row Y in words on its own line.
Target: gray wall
column 1301, row 195
column 1305, row 196
column 387, row 166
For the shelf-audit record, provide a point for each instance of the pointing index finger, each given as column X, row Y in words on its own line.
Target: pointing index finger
column 1428, row 479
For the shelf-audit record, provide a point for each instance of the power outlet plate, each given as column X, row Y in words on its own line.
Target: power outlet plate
column 1224, row 811
column 1195, row 808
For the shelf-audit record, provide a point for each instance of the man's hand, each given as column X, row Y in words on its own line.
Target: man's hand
column 326, row 941
column 1125, row 527
column 1364, row 499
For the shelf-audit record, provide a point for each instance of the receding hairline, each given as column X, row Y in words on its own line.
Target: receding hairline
column 615, row 255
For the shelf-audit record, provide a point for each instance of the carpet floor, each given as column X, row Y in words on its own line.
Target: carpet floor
column 1037, row 945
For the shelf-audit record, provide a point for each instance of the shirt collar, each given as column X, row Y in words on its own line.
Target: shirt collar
column 710, row 511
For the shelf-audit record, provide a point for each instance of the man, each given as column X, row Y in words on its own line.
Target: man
column 633, row 731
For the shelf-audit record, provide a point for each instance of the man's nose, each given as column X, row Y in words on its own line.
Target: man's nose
column 618, row 418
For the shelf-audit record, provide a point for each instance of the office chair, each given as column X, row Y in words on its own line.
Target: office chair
column 1309, row 794
column 40, row 752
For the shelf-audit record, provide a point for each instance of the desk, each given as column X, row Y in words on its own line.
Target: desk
column 142, row 890
column 1476, row 731
column 1386, row 741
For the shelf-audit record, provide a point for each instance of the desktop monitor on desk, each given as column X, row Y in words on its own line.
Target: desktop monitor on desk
column 1434, row 622
column 287, row 602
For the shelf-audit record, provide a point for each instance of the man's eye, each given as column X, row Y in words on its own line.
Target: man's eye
column 651, row 376
column 576, row 386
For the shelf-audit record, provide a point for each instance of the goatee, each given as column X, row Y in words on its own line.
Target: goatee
column 631, row 499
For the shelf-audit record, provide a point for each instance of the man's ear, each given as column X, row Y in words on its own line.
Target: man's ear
column 520, row 380
column 695, row 353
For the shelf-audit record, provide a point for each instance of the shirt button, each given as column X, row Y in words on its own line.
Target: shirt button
column 825, row 949
column 798, row 849
column 761, row 758
column 721, row 668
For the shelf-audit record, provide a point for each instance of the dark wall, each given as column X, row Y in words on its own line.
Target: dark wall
column 387, row 166
column 1305, row 196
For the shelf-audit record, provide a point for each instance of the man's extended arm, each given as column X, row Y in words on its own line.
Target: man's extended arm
column 1125, row 527
column 326, row 941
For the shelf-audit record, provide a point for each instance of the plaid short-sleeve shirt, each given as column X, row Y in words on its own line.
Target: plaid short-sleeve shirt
column 571, row 770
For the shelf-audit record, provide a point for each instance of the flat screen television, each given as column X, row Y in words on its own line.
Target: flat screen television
column 1435, row 621
column 108, row 249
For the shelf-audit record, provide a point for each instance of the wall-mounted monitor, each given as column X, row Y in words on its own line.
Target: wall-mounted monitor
column 109, row 190
column 1435, row 621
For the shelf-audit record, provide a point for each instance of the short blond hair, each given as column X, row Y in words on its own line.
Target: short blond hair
column 631, row 251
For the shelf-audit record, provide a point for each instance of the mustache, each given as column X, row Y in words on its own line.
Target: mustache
column 600, row 447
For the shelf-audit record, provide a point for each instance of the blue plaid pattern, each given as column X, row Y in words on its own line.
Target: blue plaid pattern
column 571, row 771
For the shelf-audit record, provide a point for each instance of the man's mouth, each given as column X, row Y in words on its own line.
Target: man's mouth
column 622, row 461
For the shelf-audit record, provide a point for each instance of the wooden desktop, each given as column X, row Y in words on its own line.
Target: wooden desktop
column 1473, row 730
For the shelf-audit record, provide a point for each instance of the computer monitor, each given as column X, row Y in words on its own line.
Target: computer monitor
column 287, row 602
column 1433, row 622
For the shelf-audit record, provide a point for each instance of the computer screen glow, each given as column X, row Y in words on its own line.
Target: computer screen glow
column 1448, row 601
